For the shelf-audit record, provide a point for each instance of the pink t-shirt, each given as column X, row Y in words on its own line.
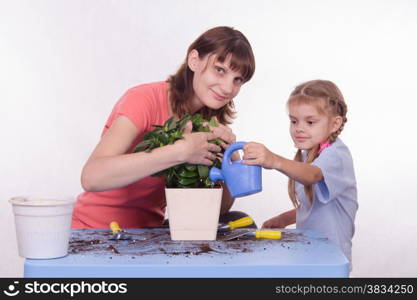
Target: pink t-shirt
column 142, row 203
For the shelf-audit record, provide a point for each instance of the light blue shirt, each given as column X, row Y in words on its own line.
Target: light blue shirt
column 335, row 198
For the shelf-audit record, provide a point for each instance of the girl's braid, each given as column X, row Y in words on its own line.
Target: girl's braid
column 339, row 107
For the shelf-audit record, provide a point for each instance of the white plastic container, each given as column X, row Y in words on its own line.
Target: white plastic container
column 43, row 226
column 193, row 213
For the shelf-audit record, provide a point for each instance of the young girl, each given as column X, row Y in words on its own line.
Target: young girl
column 322, row 183
column 117, row 182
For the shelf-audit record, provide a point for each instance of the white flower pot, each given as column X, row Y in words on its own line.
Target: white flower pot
column 43, row 226
column 193, row 213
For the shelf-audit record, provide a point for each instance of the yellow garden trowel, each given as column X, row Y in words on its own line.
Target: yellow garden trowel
column 242, row 222
column 118, row 233
column 247, row 232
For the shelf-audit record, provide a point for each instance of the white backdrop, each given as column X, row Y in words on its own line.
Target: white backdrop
column 64, row 64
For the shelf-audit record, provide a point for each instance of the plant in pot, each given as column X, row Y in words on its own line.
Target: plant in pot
column 193, row 200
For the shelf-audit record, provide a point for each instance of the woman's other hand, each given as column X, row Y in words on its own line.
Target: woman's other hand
column 226, row 134
column 195, row 146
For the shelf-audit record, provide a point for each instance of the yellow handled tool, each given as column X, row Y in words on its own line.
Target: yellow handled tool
column 115, row 228
column 259, row 234
column 118, row 232
column 242, row 222
column 268, row 234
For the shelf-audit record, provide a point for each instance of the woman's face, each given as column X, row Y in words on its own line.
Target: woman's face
column 215, row 84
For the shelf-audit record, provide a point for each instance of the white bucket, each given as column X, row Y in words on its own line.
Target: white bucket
column 43, row 226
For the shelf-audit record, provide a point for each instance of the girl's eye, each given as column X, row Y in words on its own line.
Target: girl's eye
column 293, row 122
column 311, row 122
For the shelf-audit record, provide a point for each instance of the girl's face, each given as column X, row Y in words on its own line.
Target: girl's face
column 309, row 127
column 215, row 84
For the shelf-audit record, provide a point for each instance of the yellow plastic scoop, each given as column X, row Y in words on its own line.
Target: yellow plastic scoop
column 259, row 234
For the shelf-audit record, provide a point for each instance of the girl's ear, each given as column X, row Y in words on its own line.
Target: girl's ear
column 193, row 60
column 337, row 122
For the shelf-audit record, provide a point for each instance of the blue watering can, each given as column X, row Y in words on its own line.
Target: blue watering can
column 241, row 179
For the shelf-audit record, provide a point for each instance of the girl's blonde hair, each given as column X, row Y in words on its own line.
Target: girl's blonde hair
column 220, row 41
column 328, row 99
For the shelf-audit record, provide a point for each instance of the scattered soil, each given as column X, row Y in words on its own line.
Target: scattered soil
column 112, row 249
column 158, row 241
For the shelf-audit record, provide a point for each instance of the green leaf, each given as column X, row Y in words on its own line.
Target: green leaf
column 187, row 181
column 203, row 171
column 149, row 135
column 218, row 142
column 183, row 121
column 202, row 128
column 208, row 183
column 142, row 146
column 213, row 122
column 171, row 123
column 164, row 138
column 197, row 119
column 188, row 174
column 190, row 167
column 167, row 124
column 217, row 163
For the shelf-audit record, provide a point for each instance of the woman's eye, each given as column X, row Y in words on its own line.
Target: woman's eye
column 239, row 80
column 220, row 70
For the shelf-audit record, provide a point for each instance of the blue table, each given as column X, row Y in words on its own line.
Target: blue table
column 151, row 253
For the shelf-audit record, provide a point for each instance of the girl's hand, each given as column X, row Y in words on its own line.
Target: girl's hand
column 276, row 222
column 195, row 148
column 258, row 154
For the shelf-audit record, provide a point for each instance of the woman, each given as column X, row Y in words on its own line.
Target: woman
column 117, row 182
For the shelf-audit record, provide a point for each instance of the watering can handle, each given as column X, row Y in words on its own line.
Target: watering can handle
column 217, row 174
column 229, row 151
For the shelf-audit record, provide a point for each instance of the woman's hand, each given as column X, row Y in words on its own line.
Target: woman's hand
column 226, row 134
column 258, row 154
column 195, row 148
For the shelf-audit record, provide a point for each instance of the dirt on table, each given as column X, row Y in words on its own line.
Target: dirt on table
column 158, row 241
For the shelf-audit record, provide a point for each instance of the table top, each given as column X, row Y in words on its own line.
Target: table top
column 152, row 253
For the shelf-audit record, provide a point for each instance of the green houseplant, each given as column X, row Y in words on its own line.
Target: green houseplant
column 184, row 175
column 193, row 200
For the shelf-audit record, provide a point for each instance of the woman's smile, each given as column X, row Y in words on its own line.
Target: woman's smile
column 218, row 96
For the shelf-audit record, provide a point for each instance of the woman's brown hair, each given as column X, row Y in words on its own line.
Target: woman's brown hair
column 220, row 41
column 328, row 99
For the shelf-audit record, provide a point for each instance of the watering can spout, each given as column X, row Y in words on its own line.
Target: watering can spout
column 216, row 174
